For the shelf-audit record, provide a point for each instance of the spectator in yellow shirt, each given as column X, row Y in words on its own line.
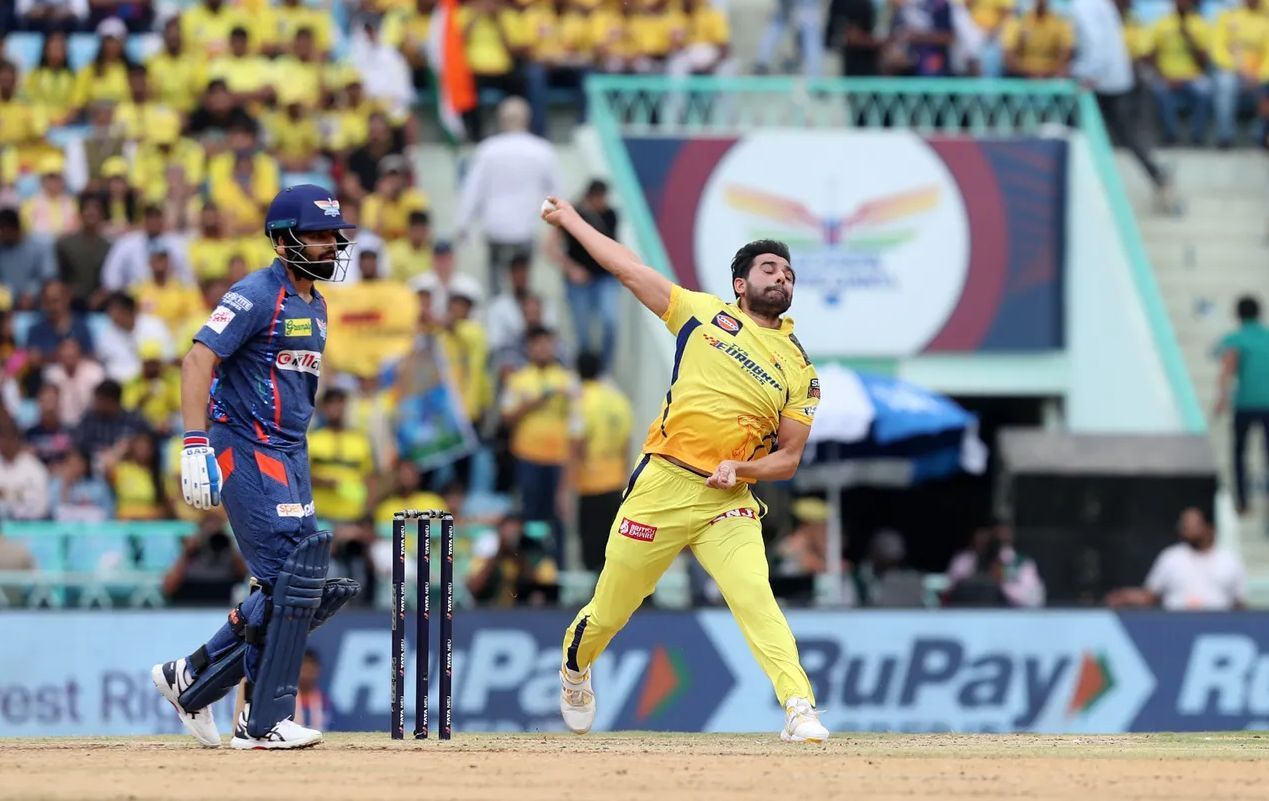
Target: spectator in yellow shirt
column 178, row 74
column 651, row 27
column 163, row 295
column 467, row 348
column 247, row 76
column 298, row 76
column 132, row 467
column 51, row 85
column 494, row 38
column 407, row 29
column 106, row 79
column 411, row 256
column 989, row 17
column 210, row 250
column 611, row 33
column 287, row 19
column 1182, row 43
column 1038, row 44
column 1239, row 46
column 560, row 53
column 539, row 408
column 295, row 139
column 406, row 492
column 51, row 211
column 137, row 116
column 342, row 463
column 701, row 43
column 155, row 393
column 206, row 27
column 243, row 180
column 601, row 458
column 22, row 124
column 386, row 211
column 164, row 150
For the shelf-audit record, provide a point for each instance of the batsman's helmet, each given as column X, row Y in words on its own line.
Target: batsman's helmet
column 302, row 209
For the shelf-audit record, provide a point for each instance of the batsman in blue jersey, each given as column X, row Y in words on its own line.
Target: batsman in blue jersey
column 258, row 358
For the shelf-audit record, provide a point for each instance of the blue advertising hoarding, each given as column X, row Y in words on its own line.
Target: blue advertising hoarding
column 86, row 673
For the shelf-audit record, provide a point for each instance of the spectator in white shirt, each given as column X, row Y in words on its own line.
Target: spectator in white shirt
column 128, row 262
column 117, row 347
column 384, row 72
column 509, row 176
column 1102, row 63
column 23, row 479
column 1015, row 574
column 75, row 378
column 1194, row 574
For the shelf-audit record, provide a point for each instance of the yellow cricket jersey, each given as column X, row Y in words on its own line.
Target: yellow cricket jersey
column 1240, row 40
column 294, row 139
column 149, row 169
column 158, row 400
column 1172, row 54
column 137, row 121
column 284, row 21
column 53, row 91
column 111, row 86
column 24, row 123
column 606, row 424
column 241, row 75
column 408, row 261
column 344, row 457
column 407, row 29
column 733, row 380
column 708, row 25
column 651, row 33
column 1040, row 44
column 298, row 81
column 489, row 38
column 205, row 32
column 556, row 37
column 136, row 494
column 173, row 302
column 990, row 14
column 390, row 218
column 542, row 434
column 1137, row 38
column 177, row 80
column 209, row 258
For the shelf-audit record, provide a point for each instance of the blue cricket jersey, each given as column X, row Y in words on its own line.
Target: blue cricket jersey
column 270, row 342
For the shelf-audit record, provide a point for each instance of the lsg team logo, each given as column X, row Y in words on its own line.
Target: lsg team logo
column 876, row 229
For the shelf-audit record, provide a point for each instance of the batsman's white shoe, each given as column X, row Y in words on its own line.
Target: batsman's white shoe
column 284, row 734
column 802, row 723
column 577, row 700
column 172, row 679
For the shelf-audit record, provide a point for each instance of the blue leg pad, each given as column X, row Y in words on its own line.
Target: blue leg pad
column 296, row 594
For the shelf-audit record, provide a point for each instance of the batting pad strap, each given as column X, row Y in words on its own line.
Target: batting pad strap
column 297, row 594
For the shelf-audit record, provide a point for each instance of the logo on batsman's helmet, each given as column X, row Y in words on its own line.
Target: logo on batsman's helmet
column 305, row 207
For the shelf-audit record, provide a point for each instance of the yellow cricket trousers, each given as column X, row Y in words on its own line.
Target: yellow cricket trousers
column 667, row 508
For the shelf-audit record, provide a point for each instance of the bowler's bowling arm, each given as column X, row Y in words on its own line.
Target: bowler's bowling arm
column 649, row 286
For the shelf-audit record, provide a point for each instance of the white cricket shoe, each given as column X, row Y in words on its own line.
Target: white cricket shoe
column 577, row 700
column 802, row 723
column 286, row 733
column 172, row 679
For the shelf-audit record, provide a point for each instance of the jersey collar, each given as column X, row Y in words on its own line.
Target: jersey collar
column 280, row 272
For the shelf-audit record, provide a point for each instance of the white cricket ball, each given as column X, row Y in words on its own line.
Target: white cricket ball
column 548, row 206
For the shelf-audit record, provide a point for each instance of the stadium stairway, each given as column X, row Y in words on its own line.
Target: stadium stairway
column 1204, row 259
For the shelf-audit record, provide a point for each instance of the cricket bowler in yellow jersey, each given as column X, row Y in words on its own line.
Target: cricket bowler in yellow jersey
column 739, row 409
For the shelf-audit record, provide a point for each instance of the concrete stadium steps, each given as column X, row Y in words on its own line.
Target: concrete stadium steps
column 1203, row 260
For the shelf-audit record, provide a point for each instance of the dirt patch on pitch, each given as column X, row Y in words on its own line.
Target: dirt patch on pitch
column 650, row 766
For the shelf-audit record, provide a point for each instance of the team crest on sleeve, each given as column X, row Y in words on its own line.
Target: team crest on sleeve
column 221, row 317
column 728, row 323
column 321, row 327
column 813, row 391
column 329, row 207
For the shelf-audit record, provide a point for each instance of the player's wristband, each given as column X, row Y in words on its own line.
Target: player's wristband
column 196, row 439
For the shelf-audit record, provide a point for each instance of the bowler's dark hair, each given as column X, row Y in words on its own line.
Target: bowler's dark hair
column 742, row 262
column 1248, row 309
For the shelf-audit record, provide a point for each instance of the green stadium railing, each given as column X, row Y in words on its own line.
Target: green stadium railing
column 624, row 105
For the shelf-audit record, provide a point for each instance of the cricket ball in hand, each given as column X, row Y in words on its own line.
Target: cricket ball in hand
column 548, row 206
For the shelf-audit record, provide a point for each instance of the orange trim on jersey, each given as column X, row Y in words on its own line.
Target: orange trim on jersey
column 272, row 468
column 226, row 461
column 260, row 435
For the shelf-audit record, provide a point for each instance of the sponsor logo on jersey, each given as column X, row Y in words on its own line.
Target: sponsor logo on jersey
column 636, row 531
column 742, row 357
column 813, row 391
column 809, row 411
column 296, row 509
column 728, row 323
column 329, row 207
column 742, row 512
column 298, row 327
column 236, row 300
column 300, row 361
column 221, row 317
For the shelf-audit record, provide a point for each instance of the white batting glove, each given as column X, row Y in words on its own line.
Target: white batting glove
column 200, row 472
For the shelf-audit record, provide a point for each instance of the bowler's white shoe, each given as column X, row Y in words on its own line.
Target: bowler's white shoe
column 577, row 700
column 802, row 723
column 285, row 733
column 172, row 679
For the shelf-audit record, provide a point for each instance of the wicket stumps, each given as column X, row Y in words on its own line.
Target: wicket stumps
column 422, row 623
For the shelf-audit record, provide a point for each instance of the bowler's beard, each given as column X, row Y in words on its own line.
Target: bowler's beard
column 769, row 302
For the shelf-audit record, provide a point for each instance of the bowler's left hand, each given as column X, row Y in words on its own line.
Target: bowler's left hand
column 724, row 476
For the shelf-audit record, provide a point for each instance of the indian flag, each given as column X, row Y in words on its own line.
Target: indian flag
column 455, row 87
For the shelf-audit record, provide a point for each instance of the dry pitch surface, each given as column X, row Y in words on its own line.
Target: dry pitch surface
column 660, row 767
